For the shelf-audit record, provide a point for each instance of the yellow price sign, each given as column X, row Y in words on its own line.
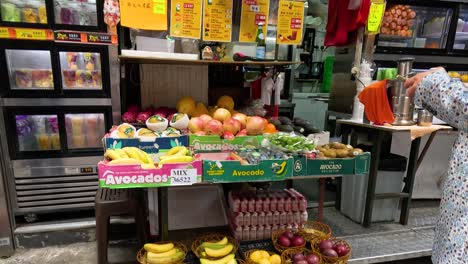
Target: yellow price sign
column 4, row 33
column 376, row 13
column 144, row 14
column 33, row 34
column 186, row 17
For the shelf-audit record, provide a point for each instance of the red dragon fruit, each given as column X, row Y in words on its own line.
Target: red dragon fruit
column 142, row 117
column 129, row 117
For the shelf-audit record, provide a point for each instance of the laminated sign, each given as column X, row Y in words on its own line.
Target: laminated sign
column 217, row 20
column 254, row 13
column 290, row 22
column 144, row 14
column 186, row 18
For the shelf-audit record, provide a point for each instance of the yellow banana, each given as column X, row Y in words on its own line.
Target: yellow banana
column 111, row 154
column 147, row 166
column 176, row 159
column 125, row 161
column 177, row 256
column 174, row 150
column 158, row 248
column 132, row 153
column 142, row 154
column 223, row 241
column 122, row 153
column 181, row 152
column 224, row 260
column 217, row 253
column 168, row 253
column 232, row 261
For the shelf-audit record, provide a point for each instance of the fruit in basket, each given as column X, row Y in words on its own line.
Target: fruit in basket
column 221, row 114
column 175, row 152
column 225, row 260
column 297, row 241
column 454, row 74
column 325, row 244
column 158, row 248
column 171, row 256
column 241, row 133
column 179, row 121
column 275, row 259
column 262, row 256
column 300, row 258
column 312, row 259
column 228, row 135
column 242, row 119
column 342, row 153
column 205, row 118
column 226, row 101
column 129, row 156
column 330, row 252
column 255, row 125
column 129, row 117
column 216, row 253
column 340, row 249
column 214, row 127
column 232, row 125
column 157, row 123
column 186, row 105
column 398, row 21
column 289, row 239
column 464, row 78
column 270, row 129
column 124, row 131
column 176, row 159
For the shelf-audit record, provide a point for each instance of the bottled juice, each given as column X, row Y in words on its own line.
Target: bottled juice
column 261, row 218
column 251, row 207
column 260, row 232
column 246, row 233
column 253, row 233
column 254, row 218
column 283, row 218
column 269, row 218
column 276, row 218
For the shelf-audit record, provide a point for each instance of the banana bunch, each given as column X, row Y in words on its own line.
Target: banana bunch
column 163, row 253
column 176, row 155
column 219, row 252
column 129, row 156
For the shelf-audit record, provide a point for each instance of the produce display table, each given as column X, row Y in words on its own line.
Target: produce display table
column 378, row 134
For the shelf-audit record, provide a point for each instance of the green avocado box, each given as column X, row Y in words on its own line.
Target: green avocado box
column 346, row 166
column 217, row 169
column 215, row 143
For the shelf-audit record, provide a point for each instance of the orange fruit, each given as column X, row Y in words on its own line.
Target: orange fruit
column 270, row 128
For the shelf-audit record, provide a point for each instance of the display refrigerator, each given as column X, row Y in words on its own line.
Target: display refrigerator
column 56, row 103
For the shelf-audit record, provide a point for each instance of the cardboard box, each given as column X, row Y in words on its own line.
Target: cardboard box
column 216, row 144
column 346, row 166
column 151, row 147
column 134, row 176
column 218, row 170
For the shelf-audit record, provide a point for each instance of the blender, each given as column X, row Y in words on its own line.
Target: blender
column 401, row 104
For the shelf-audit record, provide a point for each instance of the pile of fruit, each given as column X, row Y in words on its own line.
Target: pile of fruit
column 157, row 126
column 163, row 253
column 333, row 249
column 337, row 150
column 398, row 20
column 129, row 156
column 136, row 156
column 299, row 126
column 301, row 258
column 289, row 143
column 289, row 239
column 218, row 252
column 457, row 75
column 135, row 115
column 263, row 257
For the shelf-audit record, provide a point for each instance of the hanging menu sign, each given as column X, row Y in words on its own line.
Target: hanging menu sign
column 144, row 14
column 217, row 20
column 290, row 21
column 26, row 33
column 186, row 18
column 254, row 12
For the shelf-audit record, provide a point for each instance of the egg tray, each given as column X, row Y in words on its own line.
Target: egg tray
column 141, row 255
column 332, row 260
column 274, row 238
column 287, row 255
column 249, row 252
column 213, row 238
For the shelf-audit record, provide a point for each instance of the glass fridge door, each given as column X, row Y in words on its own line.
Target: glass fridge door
column 85, row 131
column 20, row 11
column 37, row 133
column 76, row 12
column 29, row 69
column 81, row 70
column 461, row 37
column 408, row 26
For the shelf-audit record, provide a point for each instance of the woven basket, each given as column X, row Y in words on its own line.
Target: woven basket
column 141, row 255
column 287, row 255
column 313, row 230
column 274, row 238
column 213, row 238
column 249, row 252
column 332, row 260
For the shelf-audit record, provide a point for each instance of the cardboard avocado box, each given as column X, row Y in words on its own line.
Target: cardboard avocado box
column 134, row 176
column 152, row 147
column 217, row 169
column 345, row 166
column 217, row 144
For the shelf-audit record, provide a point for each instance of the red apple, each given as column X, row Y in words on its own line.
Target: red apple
column 242, row 119
column 205, row 118
column 195, row 125
column 228, row 135
column 214, row 127
column 243, row 132
column 255, row 125
column 232, row 125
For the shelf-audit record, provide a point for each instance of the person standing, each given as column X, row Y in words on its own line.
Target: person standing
column 447, row 99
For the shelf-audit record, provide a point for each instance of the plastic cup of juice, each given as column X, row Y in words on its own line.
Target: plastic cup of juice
column 43, row 141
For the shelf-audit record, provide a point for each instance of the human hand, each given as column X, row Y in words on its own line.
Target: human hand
column 412, row 83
